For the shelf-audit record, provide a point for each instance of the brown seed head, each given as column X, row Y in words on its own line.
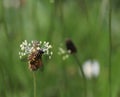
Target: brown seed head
column 35, row 65
column 70, row 46
column 35, row 60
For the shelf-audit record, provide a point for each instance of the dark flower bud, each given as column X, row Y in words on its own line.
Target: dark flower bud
column 70, row 46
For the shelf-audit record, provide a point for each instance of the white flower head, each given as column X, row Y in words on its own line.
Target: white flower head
column 96, row 68
column 64, row 53
column 91, row 69
column 28, row 48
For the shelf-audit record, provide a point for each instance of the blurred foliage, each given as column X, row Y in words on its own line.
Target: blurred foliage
column 84, row 21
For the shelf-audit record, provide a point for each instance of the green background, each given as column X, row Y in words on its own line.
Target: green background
column 84, row 22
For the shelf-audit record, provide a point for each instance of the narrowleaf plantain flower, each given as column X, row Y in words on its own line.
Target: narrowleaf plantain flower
column 34, row 51
column 70, row 49
column 70, row 46
column 91, row 69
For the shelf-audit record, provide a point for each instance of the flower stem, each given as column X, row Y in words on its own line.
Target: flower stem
column 65, row 89
column 110, row 48
column 34, row 83
column 84, row 79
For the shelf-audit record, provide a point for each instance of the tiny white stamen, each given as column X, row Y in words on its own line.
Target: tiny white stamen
column 27, row 48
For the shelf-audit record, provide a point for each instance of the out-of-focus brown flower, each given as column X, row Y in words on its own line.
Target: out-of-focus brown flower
column 70, row 46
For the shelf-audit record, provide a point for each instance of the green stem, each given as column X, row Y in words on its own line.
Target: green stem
column 34, row 83
column 52, row 23
column 110, row 48
column 84, row 79
column 84, row 8
column 35, row 18
column 65, row 89
column 62, row 25
column 4, row 20
column 95, row 89
column 62, row 19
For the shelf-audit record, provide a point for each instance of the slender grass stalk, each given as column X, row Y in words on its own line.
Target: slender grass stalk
column 4, row 20
column 95, row 89
column 34, row 83
column 84, row 8
column 65, row 88
column 52, row 17
column 35, row 18
column 82, row 73
column 62, row 18
column 110, row 48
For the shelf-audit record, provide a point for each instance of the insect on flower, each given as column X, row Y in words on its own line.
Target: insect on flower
column 35, row 60
column 34, row 52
